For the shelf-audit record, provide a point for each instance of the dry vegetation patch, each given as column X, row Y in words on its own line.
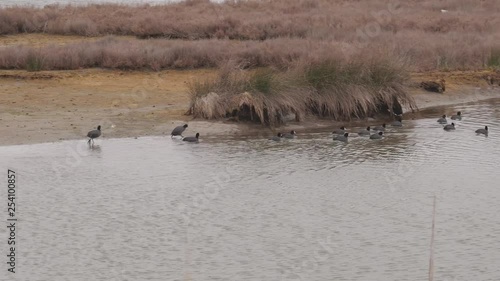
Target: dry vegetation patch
column 466, row 36
column 331, row 88
column 332, row 59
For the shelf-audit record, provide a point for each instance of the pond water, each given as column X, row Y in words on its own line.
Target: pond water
column 245, row 208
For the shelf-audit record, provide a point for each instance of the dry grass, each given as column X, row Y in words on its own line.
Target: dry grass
column 281, row 53
column 274, row 33
column 156, row 54
column 255, row 20
column 335, row 59
column 333, row 87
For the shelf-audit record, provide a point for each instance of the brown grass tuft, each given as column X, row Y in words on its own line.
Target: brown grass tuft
column 335, row 88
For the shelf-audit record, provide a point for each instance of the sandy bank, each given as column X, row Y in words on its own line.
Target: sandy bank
column 51, row 106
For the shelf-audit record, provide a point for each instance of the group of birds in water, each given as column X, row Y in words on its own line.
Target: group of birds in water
column 458, row 116
column 340, row 134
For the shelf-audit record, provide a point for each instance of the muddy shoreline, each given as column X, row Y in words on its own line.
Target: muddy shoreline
column 52, row 106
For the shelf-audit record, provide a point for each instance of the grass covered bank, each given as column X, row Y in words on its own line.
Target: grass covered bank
column 430, row 35
column 159, row 54
column 331, row 88
column 256, row 20
column 332, row 59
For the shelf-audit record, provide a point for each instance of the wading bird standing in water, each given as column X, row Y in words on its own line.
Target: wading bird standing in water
column 177, row 131
column 94, row 134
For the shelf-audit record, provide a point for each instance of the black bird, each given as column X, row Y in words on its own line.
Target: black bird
column 277, row 137
column 340, row 131
column 364, row 132
column 94, row 134
column 192, row 139
column 341, row 137
column 380, row 128
column 457, row 117
column 290, row 135
column 442, row 120
column 178, row 130
column 449, row 127
column 377, row 136
column 482, row 131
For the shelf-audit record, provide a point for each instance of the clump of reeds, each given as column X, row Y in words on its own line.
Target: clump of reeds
column 336, row 88
column 258, row 95
column 354, row 88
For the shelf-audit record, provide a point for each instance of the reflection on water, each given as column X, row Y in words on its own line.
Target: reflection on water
column 244, row 208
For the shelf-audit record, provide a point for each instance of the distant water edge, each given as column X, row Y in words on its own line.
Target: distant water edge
column 41, row 3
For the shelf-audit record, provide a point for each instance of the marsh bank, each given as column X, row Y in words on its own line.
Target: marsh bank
column 60, row 105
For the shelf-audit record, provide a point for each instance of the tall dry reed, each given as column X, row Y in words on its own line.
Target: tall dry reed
column 334, row 87
column 431, row 256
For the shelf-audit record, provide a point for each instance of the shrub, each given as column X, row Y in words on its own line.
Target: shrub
column 333, row 88
column 34, row 62
column 494, row 59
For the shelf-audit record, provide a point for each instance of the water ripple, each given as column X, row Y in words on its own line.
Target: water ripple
column 251, row 209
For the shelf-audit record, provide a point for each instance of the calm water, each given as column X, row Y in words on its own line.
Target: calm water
column 248, row 209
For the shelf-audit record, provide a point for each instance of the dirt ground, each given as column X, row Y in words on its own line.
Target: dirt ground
column 461, row 87
column 50, row 106
column 40, row 40
column 59, row 105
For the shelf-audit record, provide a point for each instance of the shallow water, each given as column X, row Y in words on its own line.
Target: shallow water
column 154, row 208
